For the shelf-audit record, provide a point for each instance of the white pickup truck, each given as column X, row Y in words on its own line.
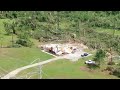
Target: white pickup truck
column 89, row 62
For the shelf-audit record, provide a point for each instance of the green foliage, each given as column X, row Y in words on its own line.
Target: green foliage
column 14, row 46
column 24, row 42
column 100, row 55
column 61, row 25
column 116, row 72
column 106, row 19
column 111, row 63
column 109, row 68
column 7, row 28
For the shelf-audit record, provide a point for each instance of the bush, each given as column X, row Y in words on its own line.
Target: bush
column 99, row 56
column 118, row 64
column 24, row 42
column 116, row 72
column 109, row 68
column 16, row 45
column 111, row 63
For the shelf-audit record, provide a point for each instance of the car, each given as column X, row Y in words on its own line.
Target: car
column 85, row 54
column 90, row 62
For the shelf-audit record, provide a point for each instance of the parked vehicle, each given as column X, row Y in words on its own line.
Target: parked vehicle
column 85, row 54
column 90, row 62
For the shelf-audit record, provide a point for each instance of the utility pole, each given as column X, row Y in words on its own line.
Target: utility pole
column 79, row 28
column 114, row 28
column 12, row 38
column 40, row 71
column 1, row 38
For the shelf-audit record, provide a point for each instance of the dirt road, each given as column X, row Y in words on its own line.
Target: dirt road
column 13, row 73
column 73, row 57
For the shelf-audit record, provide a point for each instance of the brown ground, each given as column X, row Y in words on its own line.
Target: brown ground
column 86, row 69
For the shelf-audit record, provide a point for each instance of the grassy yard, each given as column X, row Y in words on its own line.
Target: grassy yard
column 65, row 69
column 73, row 70
column 12, row 58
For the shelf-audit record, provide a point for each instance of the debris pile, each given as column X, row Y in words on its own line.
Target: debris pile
column 73, row 51
column 59, row 49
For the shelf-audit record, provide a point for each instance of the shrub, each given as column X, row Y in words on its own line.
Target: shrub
column 111, row 63
column 99, row 56
column 109, row 68
column 116, row 72
column 16, row 45
column 38, row 34
column 24, row 42
column 118, row 64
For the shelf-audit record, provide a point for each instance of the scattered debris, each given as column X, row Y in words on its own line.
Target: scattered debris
column 69, row 51
column 59, row 49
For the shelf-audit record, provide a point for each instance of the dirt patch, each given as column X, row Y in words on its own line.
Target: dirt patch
column 105, row 72
column 83, row 68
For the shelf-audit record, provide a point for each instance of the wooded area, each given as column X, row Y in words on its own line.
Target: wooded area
column 63, row 25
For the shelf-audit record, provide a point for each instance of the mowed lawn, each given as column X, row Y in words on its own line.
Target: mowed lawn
column 65, row 69
column 12, row 58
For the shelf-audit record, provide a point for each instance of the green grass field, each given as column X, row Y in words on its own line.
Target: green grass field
column 108, row 31
column 74, row 70
column 65, row 69
column 12, row 58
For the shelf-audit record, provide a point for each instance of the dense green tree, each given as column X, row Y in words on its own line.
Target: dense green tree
column 99, row 56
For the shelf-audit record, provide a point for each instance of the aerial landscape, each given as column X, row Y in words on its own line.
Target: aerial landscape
column 59, row 44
